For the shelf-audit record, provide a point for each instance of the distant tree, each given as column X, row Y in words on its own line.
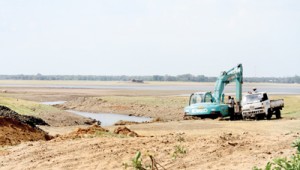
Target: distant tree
column 183, row 77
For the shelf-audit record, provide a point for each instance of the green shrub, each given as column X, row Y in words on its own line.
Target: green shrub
column 137, row 163
column 283, row 163
column 179, row 150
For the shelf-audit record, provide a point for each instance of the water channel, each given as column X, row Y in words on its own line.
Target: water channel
column 106, row 119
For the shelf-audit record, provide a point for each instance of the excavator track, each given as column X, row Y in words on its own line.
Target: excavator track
column 185, row 117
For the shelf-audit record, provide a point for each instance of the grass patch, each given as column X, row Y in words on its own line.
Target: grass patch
column 27, row 107
column 178, row 151
column 291, row 105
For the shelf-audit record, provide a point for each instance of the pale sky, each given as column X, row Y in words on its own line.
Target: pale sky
column 147, row 37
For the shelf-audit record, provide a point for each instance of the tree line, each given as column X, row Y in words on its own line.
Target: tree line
column 183, row 77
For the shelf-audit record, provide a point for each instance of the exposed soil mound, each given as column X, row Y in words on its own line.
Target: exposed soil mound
column 30, row 120
column 13, row 132
column 83, row 132
column 125, row 131
column 90, row 130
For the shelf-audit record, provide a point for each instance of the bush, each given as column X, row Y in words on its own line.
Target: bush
column 283, row 163
column 137, row 163
column 179, row 150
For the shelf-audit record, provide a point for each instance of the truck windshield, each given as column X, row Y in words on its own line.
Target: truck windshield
column 251, row 98
column 196, row 98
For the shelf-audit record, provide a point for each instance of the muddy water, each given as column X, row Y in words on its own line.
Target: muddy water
column 108, row 119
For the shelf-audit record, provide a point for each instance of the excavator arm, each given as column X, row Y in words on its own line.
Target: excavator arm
column 233, row 75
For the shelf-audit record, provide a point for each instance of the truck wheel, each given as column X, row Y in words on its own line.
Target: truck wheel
column 269, row 115
column 258, row 117
column 231, row 117
column 278, row 114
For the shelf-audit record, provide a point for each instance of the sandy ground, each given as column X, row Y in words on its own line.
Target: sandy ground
column 189, row 144
column 208, row 145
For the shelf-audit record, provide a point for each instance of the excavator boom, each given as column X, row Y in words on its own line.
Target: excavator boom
column 233, row 75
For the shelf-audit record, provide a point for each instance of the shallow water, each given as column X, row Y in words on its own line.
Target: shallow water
column 108, row 119
column 270, row 88
column 53, row 103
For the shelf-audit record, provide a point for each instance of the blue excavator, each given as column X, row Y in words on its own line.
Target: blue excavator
column 208, row 105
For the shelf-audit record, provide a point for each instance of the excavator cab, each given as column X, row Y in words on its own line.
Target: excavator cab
column 201, row 97
column 202, row 104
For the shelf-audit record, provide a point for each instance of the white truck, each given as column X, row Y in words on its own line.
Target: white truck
column 257, row 105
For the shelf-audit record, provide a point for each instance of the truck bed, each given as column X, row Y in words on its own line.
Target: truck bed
column 276, row 103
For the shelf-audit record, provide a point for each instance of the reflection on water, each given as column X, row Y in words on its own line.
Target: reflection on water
column 108, row 119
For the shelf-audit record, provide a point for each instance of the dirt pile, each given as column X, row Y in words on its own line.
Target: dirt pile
column 96, row 131
column 84, row 132
column 13, row 132
column 90, row 130
column 125, row 131
column 30, row 120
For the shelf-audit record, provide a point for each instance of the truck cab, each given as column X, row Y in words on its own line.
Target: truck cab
column 202, row 104
column 258, row 105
